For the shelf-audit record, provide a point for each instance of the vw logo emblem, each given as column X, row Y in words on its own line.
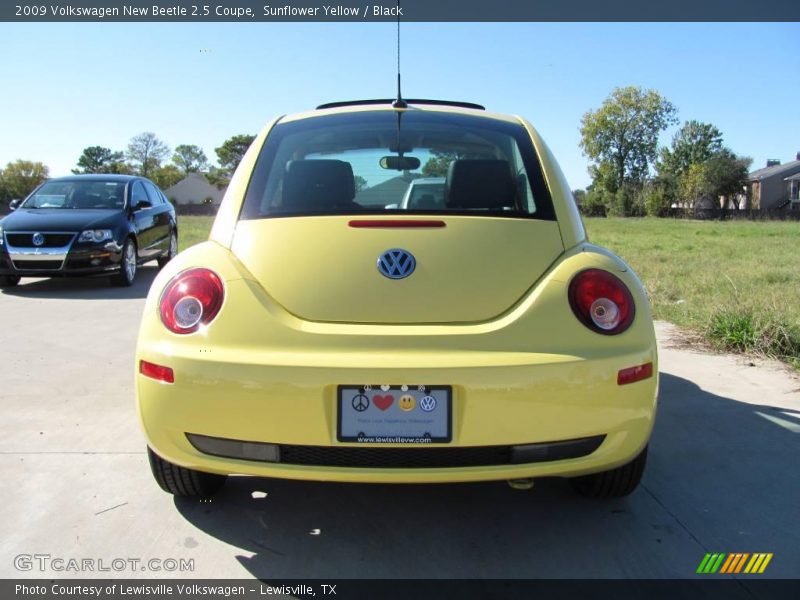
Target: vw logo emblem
column 428, row 403
column 396, row 263
column 38, row 239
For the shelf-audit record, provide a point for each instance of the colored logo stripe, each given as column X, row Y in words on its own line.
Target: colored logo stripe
column 734, row 563
column 758, row 563
column 731, row 563
column 710, row 563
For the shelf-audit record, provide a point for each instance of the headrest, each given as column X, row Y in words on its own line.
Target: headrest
column 318, row 185
column 479, row 184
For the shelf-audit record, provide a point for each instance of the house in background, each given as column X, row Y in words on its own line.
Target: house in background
column 794, row 191
column 771, row 188
column 195, row 189
column 387, row 192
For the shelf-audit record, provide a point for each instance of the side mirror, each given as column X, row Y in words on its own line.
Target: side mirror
column 142, row 204
column 14, row 204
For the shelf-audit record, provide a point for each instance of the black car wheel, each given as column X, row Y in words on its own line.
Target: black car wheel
column 9, row 280
column 127, row 267
column 614, row 483
column 172, row 252
column 180, row 481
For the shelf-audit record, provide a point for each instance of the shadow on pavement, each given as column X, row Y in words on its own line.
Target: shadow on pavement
column 722, row 477
column 84, row 288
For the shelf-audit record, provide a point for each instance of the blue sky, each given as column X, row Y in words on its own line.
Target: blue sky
column 68, row 86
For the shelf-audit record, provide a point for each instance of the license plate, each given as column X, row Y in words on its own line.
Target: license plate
column 395, row 414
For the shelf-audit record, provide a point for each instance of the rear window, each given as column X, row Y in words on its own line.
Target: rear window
column 422, row 163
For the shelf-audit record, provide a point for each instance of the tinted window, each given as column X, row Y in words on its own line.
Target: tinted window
column 366, row 163
column 138, row 194
column 152, row 193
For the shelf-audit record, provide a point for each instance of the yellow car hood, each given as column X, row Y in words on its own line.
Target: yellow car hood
column 471, row 270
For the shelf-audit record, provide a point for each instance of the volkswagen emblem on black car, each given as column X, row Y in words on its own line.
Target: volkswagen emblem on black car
column 396, row 263
column 38, row 239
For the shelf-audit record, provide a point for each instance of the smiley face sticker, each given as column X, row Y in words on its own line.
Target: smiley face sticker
column 407, row 402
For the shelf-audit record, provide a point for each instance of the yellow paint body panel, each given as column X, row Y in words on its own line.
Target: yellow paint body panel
column 522, row 368
column 457, row 277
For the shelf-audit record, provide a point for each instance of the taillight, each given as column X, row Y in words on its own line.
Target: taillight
column 601, row 301
column 191, row 299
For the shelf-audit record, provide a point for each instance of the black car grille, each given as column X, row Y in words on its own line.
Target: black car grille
column 430, row 457
column 39, row 265
column 51, row 240
column 398, row 458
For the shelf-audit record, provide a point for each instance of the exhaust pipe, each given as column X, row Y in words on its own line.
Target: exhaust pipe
column 521, row 484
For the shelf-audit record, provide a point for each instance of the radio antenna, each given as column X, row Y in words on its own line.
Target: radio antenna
column 399, row 103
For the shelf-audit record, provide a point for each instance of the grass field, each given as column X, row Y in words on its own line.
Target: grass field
column 192, row 230
column 737, row 283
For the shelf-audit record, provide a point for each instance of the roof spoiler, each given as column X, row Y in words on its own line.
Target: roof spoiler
column 392, row 100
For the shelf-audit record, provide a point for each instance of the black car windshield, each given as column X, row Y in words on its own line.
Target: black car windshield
column 369, row 163
column 78, row 194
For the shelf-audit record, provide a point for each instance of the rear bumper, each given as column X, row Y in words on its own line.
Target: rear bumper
column 542, row 400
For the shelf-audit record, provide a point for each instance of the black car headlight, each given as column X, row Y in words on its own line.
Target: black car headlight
column 96, row 235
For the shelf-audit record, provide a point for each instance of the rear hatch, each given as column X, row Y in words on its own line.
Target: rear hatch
column 322, row 269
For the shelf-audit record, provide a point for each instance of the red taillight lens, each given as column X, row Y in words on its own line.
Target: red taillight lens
column 157, row 372
column 190, row 300
column 601, row 301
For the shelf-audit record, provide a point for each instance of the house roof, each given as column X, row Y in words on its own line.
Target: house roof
column 786, row 168
column 386, row 191
column 795, row 177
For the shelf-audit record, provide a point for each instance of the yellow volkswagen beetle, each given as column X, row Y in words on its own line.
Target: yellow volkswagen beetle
column 329, row 331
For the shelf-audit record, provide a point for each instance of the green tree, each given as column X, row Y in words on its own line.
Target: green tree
column 146, row 153
column 694, row 143
column 729, row 174
column 218, row 177
column 166, row 176
column 621, row 136
column 438, row 163
column 361, row 183
column 724, row 175
column 19, row 178
column 230, row 153
column 98, row 159
column 695, row 186
column 190, row 158
column 659, row 194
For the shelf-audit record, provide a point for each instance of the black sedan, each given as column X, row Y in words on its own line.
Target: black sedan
column 87, row 225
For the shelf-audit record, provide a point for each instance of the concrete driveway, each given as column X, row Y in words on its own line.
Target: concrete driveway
column 722, row 477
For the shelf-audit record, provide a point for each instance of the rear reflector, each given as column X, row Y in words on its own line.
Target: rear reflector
column 156, row 372
column 637, row 373
column 396, row 224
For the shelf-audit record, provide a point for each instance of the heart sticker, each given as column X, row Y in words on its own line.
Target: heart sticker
column 383, row 402
column 386, row 388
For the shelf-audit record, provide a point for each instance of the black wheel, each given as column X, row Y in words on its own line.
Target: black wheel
column 172, row 252
column 614, row 483
column 180, row 481
column 9, row 280
column 127, row 267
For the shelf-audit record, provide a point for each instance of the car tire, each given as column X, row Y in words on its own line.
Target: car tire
column 171, row 252
column 615, row 483
column 180, row 481
column 9, row 280
column 127, row 267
